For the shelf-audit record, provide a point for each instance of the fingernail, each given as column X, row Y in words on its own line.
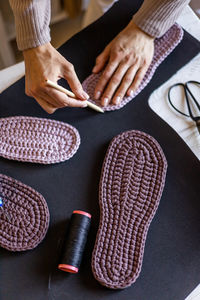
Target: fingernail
column 105, row 101
column 94, row 69
column 131, row 93
column 85, row 95
column 85, row 104
column 97, row 95
column 117, row 101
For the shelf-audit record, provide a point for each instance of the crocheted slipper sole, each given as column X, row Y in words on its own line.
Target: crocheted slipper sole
column 37, row 140
column 131, row 185
column 163, row 47
column 24, row 216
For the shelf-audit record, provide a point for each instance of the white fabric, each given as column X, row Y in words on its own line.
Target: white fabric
column 158, row 101
column 10, row 75
column 195, row 295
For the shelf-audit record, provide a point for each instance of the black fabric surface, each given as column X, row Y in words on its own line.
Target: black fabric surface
column 172, row 254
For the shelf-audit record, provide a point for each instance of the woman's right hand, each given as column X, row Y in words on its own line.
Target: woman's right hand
column 45, row 62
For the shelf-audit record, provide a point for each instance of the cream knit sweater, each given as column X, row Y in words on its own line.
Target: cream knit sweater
column 32, row 18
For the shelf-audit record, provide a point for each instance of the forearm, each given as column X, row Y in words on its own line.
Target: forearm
column 32, row 19
column 155, row 17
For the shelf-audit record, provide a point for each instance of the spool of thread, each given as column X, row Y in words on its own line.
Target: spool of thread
column 75, row 241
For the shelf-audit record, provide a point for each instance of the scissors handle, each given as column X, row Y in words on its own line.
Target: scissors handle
column 187, row 92
column 170, row 101
column 191, row 94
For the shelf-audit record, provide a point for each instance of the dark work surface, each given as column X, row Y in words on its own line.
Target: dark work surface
column 172, row 254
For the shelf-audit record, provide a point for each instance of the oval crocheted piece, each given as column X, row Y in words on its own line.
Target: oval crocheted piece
column 162, row 48
column 131, row 185
column 24, row 216
column 37, row 140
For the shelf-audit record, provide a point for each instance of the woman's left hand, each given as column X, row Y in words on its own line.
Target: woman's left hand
column 126, row 60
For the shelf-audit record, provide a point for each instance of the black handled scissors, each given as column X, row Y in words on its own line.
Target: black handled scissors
column 188, row 93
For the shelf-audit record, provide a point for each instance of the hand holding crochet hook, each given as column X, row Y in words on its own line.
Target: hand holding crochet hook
column 126, row 60
column 45, row 62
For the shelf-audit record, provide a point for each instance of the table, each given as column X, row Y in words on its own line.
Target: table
column 171, row 261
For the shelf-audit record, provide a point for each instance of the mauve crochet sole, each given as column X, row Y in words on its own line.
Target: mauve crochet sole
column 163, row 47
column 131, row 185
column 24, row 216
column 37, row 140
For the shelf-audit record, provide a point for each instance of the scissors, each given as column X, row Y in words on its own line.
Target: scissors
column 188, row 93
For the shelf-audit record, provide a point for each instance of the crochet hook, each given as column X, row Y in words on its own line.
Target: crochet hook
column 69, row 93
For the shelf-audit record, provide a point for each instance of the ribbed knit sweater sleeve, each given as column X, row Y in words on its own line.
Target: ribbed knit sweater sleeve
column 32, row 18
column 155, row 17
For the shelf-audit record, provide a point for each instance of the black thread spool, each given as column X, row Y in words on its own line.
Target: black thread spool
column 75, row 241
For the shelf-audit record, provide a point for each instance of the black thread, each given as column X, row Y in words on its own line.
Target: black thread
column 74, row 244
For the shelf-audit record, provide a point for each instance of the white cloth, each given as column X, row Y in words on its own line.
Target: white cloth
column 195, row 295
column 10, row 75
column 158, row 100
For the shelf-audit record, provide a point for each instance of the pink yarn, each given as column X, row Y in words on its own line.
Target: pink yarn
column 37, row 140
column 24, row 216
column 131, row 185
column 163, row 47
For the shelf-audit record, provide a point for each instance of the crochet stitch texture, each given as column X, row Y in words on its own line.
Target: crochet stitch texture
column 162, row 48
column 131, row 185
column 37, row 140
column 24, row 216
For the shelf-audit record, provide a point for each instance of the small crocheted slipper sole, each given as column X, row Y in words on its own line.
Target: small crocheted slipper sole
column 37, row 140
column 131, row 185
column 24, row 216
column 163, row 47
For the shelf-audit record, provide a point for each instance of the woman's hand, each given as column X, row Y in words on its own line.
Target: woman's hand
column 126, row 60
column 45, row 62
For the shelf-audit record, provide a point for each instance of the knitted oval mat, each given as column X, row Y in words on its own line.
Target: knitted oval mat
column 37, row 140
column 24, row 216
column 163, row 47
column 131, row 185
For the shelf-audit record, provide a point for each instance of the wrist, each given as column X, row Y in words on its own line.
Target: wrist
column 140, row 31
column 37, row 50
